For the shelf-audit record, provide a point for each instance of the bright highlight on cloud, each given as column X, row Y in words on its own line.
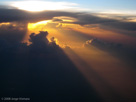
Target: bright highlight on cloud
column 42, row 5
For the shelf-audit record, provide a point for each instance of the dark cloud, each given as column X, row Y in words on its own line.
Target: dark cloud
column 10, row 15
column 85, row 19
column 88, row 19
column 57, row 20
column 126, row 53
column 13, row 32
column 41, row 71
column 6, row 7
column 130, row 26
column 98, row 42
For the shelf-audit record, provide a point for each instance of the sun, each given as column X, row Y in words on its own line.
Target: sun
column 42, row 5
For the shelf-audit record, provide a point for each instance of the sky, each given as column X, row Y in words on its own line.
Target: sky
column 70, row 50
column 122, row 6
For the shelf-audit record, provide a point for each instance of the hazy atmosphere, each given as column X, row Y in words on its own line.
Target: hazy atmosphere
column 68, row 50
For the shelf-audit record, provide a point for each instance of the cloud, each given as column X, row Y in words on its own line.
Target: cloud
column 130, row 26
column 34, row 5
column 42, row 71
column 13, row 32
column 57, row 20
column 122, row 51
column 10, row 15
column 2, row 6
column 103, row 44
column 39, row 38
column 54, row 40
column 88, row 19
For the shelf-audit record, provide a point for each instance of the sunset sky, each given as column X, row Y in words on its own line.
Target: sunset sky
column 68, row 47
column 100, row 5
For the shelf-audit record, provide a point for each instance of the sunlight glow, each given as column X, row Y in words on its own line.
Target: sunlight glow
column 34, row 25
column 35, row 28
column 42, row 5
column 4, row 24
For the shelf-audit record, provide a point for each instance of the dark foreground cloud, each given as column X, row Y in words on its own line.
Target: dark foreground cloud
column 41, row 72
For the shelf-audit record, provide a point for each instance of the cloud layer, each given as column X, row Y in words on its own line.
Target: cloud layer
column 10, row 15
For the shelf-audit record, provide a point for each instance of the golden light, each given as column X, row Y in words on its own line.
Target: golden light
column 42, row 5
column 4, row 23
column 31, row 26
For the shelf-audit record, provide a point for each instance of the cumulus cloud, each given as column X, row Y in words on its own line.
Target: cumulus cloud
column 54, row 40
column 103, row 44
column 122, row 51
column 42, row 71
column 39, row 38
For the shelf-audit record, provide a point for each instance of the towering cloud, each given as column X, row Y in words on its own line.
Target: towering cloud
column 41, row 71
